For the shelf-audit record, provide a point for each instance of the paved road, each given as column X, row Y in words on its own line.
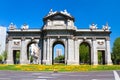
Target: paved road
column 97, row 75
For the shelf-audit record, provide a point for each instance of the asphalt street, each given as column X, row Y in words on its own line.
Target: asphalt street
column 96, row 75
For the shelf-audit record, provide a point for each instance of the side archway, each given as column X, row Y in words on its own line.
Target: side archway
column 84, row 53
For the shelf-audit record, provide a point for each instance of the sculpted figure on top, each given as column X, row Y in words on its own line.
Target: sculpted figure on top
column 93, row 26
column 106, row 27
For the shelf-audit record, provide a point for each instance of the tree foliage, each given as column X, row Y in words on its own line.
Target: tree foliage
column 100, row 58
column 4, row 54
column 17, row 57
column 1, row 58
column 116, row 51
column 84, row 53
column 59, row 59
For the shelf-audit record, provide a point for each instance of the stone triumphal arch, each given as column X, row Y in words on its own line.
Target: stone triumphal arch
column 58, row 28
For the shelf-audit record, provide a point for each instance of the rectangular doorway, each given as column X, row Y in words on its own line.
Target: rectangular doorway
column 16, row 56
column 101, row 57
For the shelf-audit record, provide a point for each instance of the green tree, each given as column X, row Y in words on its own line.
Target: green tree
column 17, row 57
column 84, row 53
column 1, row 58
column 4, row 54
column 99, row 57
column 59, row 59
column 116, row 51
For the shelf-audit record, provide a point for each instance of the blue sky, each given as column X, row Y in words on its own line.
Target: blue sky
column 84, row 11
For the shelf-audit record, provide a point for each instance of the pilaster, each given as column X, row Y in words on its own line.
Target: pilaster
column 70, row 51
column 94, row 55
column 66, row 51
column 48, row 52
column 108, row 60
column 10, row 51
column 76, row 51
column 23, row 55
column 44, row 51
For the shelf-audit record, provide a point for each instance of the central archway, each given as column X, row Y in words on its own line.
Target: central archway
column 58, row 53
column 84, row 53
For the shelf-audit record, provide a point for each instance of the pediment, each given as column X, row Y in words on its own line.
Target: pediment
column 58, row 16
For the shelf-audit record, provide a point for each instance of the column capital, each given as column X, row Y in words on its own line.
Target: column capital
column 23, row 38
column 75, row 38
column 32, row 38
column 93, row 38
column 58, row 37
column 84, row 39
column 107, row 38
column 70, row 37
column 46, row 37
column 9, row 38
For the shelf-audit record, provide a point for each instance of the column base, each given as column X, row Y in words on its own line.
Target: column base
column 39, row 62
column 72, row 62
column 10, row 62
column 109, row 63
column 47, row 62
column 23, row 62
column 94, row 63
column 44, row 62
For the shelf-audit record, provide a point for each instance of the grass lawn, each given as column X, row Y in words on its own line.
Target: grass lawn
column 63, row 68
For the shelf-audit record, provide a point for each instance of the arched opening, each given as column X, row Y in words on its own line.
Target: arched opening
column 101, row 57
column 84, row 53
column 33, row 53
column 58, row 54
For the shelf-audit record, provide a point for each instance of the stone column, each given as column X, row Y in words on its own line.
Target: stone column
column 108, row 60
column 44, row 51
column 10, row 52
column 66, row 51
column 94, row 54
column 70, row 52
column 40, row 51
column 76, row 51
column 39, row 58
column 48, row 51
column 23, row 55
